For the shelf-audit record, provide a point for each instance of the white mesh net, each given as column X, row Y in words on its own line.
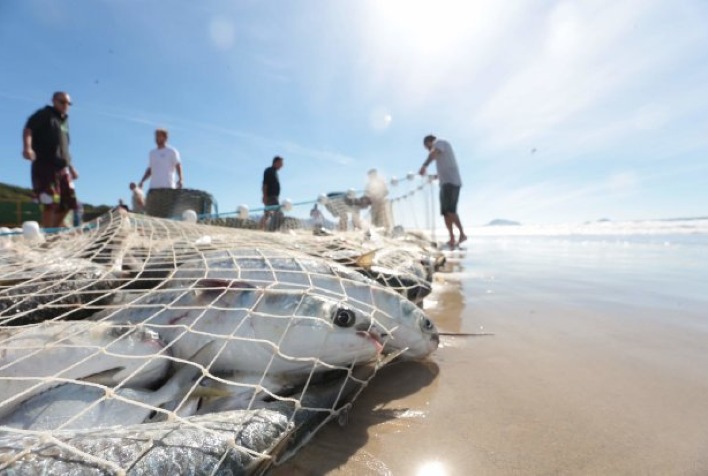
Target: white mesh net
column 141, row 345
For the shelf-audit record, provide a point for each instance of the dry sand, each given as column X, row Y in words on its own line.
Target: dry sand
column 598, row 365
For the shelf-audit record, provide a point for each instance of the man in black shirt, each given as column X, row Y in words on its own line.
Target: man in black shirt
column 45, row 141
column 271, row 195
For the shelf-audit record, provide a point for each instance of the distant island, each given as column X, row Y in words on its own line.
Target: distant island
column 502, row 222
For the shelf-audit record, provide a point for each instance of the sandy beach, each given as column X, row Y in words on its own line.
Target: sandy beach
column 597, row 365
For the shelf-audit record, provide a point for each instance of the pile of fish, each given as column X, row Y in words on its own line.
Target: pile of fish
column 142, row 345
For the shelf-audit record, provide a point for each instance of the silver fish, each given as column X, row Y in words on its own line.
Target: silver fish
column 40, row 286
column 261, row 330
column 393, row 264
column 76, row 406
column 238, row 442
column 394, row 320
column 234, row 442
column 34, row 359
column 278, row 311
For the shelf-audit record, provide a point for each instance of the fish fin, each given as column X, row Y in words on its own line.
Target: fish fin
column 366, row 260
column 209, row 392
column 105, row 377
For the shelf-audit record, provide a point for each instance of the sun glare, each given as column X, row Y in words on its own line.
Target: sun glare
column 429, row 27
column 432, row 468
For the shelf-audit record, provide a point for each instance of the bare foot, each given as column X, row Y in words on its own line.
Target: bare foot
column 463, row 238
column 451, row 244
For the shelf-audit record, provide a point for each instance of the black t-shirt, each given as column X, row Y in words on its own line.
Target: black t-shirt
column 50, row 136
column 271, row 182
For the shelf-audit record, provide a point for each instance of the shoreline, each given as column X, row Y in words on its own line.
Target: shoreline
column 596, row 366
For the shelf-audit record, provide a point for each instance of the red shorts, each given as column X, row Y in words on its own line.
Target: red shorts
column 53, row 189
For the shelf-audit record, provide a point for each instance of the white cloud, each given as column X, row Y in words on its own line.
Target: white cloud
column 622, row 183
column 222, row 33
column 141, row 117
column 592, row 77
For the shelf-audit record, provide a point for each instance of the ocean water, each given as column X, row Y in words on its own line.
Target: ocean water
column 685, row 230
column 637, row 271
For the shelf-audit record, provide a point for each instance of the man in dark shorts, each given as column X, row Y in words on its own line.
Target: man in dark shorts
column 450, row 183
column 271, row 195
column 45, row 141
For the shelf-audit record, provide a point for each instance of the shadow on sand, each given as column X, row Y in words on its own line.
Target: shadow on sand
column 334, row 444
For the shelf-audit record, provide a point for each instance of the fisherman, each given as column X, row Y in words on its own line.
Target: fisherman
column 376, row 191
column 341, row 205
column 316, row 217
column 164, row 161
column 271, row 195
column 45, row 141
column 450, row 183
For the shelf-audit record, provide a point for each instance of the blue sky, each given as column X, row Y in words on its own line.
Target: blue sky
column 557, row 111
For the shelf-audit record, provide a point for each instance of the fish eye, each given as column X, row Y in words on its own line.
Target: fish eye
column 427, row 325
column 344, row 317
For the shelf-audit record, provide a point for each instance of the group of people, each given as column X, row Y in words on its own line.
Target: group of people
column 45, row 141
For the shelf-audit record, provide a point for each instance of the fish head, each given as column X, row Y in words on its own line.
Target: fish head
column 406, row 327
column 311, row 326
column 282, row 327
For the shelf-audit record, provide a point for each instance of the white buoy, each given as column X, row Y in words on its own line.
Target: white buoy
column 190, row 216
column 351, row 193
column 287, row 204
column 394, row 181
column 322, row 199
column 30, row 230
column 203, row 241
column 410, row 176
column 243, row 212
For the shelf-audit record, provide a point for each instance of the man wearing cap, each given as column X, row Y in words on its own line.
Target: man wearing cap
column 45, row 143
column 450, row 183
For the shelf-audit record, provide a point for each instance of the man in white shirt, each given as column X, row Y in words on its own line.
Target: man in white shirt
column 377, row 190
column 164, row 162
column 450, row 183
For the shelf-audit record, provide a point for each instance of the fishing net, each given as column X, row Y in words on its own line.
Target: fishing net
column 141, row 345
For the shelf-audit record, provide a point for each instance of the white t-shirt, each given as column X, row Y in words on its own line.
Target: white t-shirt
column 163, row 165
column 446, row 163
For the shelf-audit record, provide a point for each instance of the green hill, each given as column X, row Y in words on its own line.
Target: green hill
column 13, row 193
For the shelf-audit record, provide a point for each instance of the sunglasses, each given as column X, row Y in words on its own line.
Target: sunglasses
column 64, row 101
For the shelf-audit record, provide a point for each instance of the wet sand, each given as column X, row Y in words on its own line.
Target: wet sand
column 598, row 364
